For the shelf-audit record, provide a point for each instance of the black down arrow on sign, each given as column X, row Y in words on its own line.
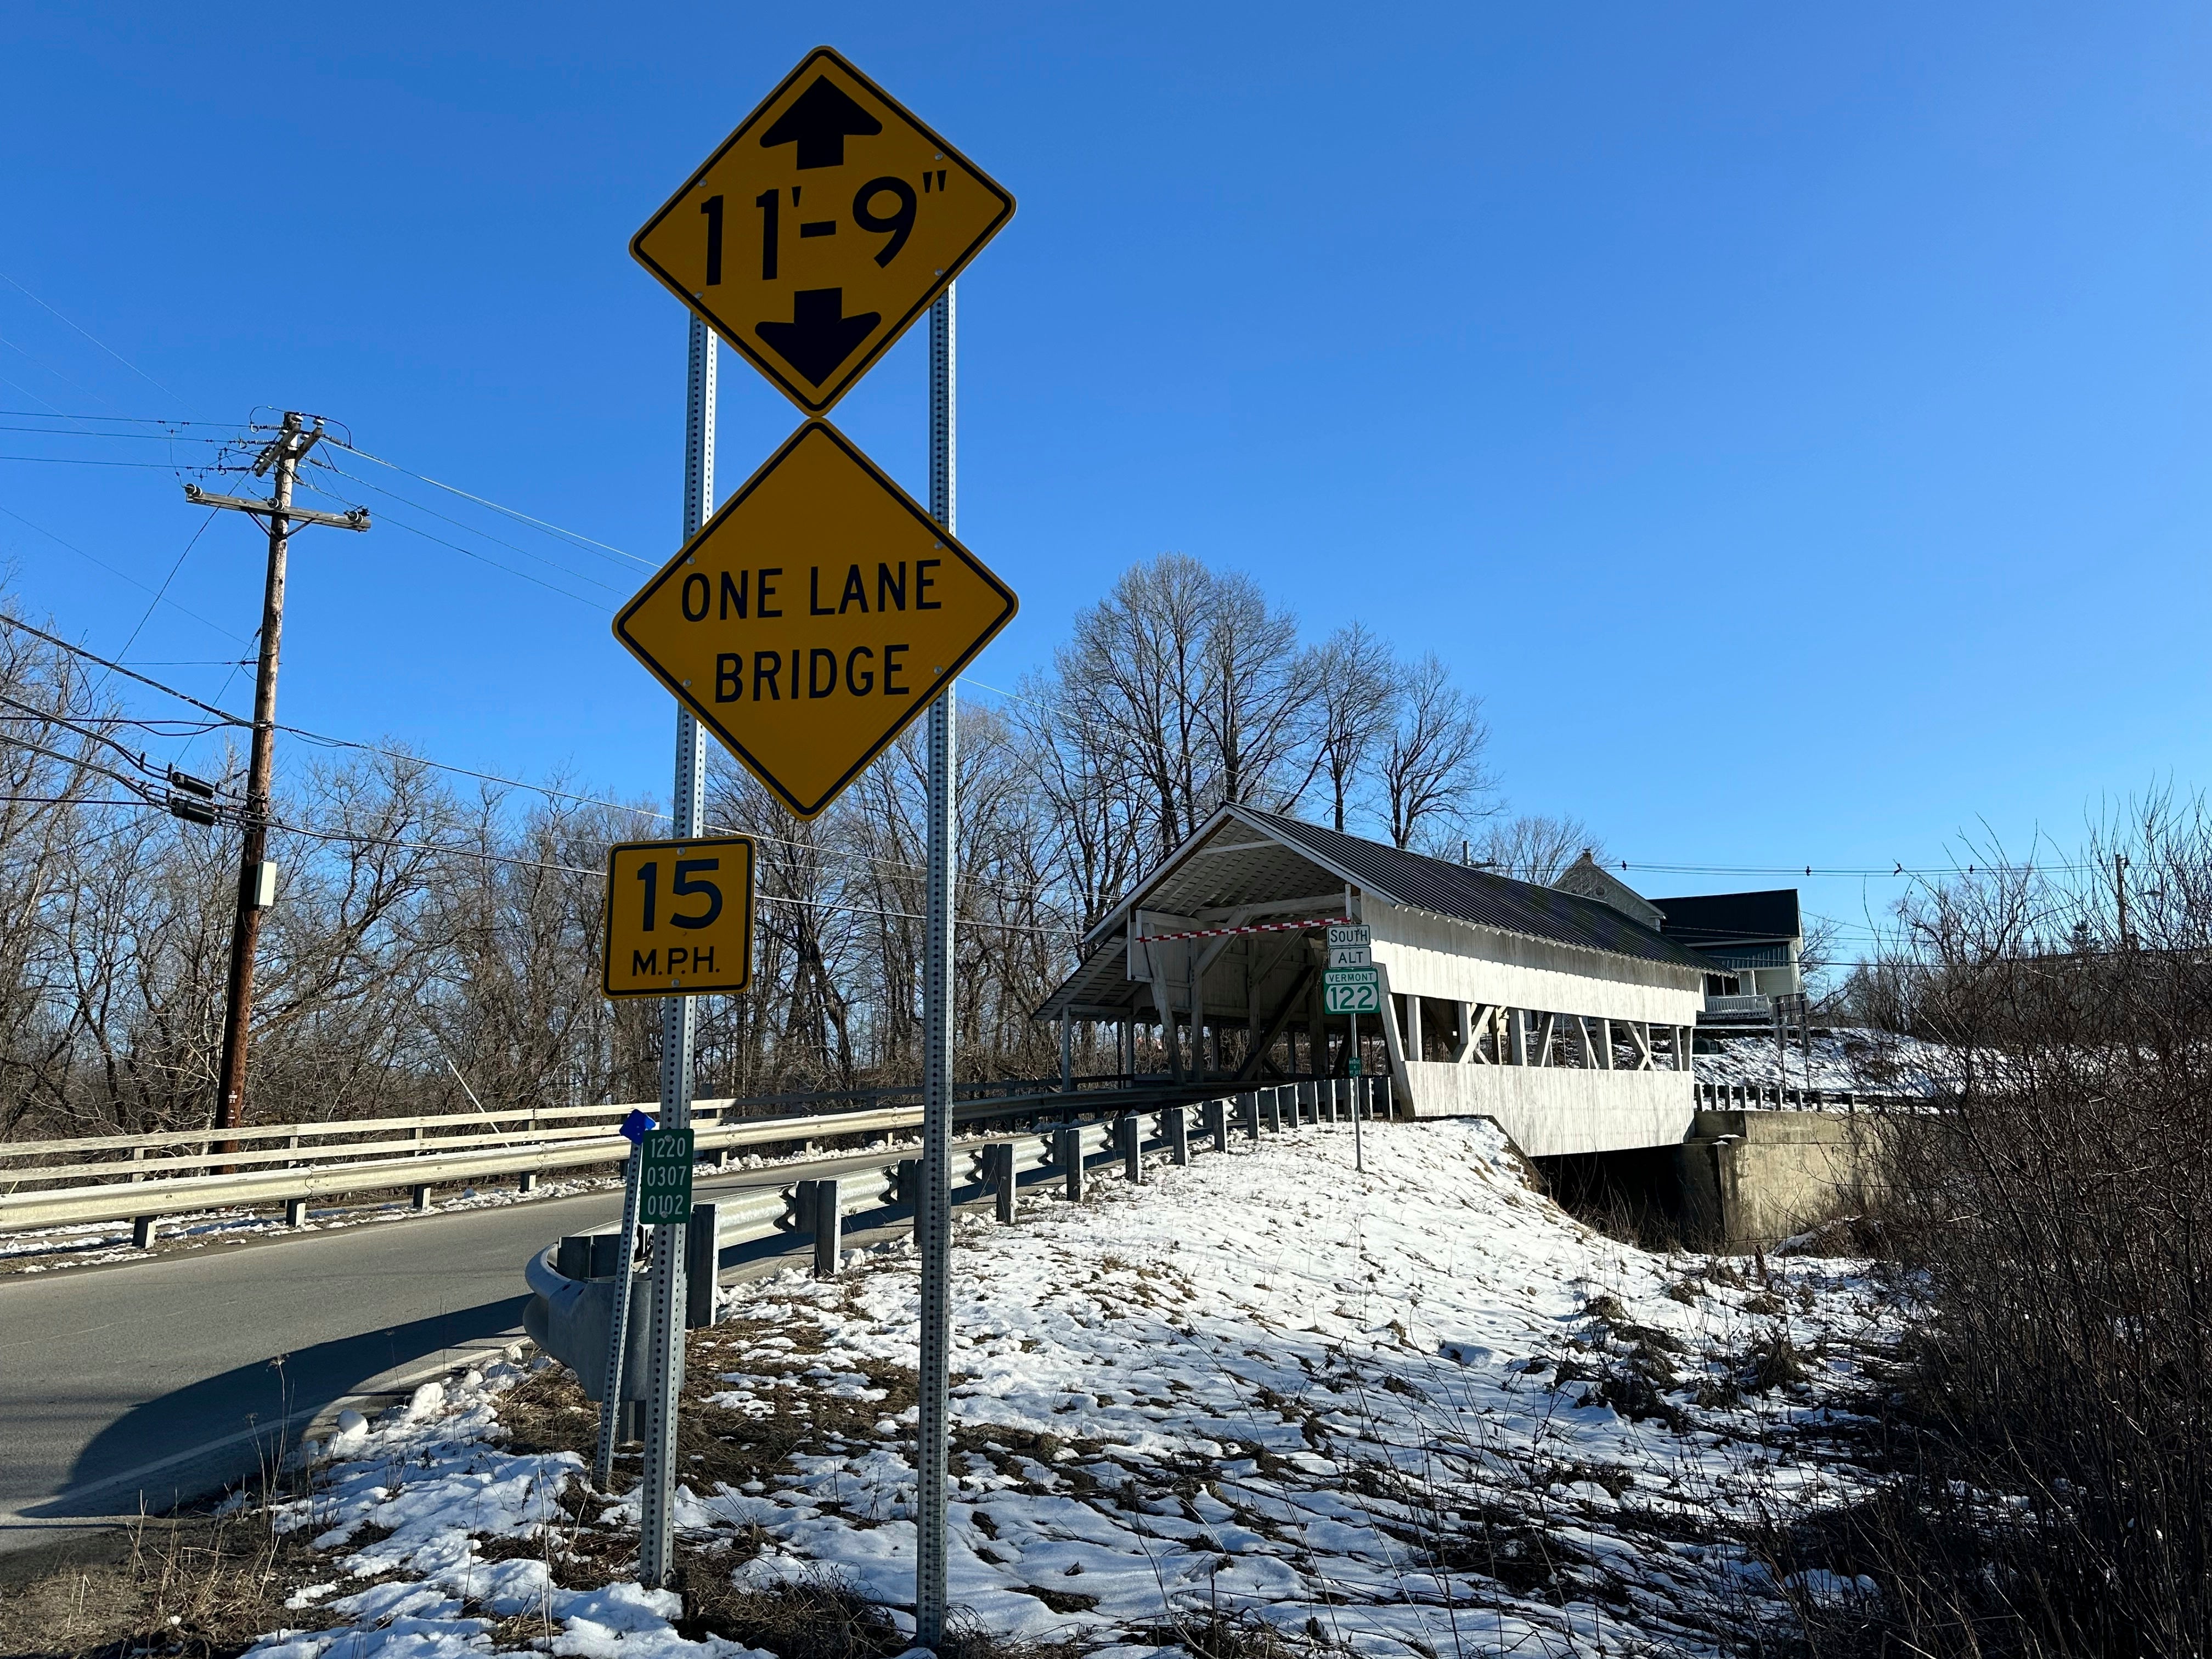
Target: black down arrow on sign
column 821, row 229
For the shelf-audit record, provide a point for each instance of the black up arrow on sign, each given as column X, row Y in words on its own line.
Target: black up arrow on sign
column 821, row 229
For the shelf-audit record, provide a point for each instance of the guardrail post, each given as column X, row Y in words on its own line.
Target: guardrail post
column 1214, row 1116
column 703, row 1265
column 829, row 1227
column 1176, row 1123
column 526, row 1182
column 295, row 1211
column 1248, row 1111
column 606, row 1258
column 143, row 1229
column 1131, row 1131
column 1068, row 1154
column 1002, row 1180
column 572, row 1257
column 421, row 1196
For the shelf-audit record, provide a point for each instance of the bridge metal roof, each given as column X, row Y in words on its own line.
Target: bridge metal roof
column 1253, row 866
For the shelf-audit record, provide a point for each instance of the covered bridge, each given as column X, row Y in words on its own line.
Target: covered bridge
column 1564, row 1018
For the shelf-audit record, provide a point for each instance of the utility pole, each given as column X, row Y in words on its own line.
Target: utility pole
column 256, row 878
column 2120, row 890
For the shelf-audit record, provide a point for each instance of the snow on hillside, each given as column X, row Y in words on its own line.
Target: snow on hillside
column 1418, row 1410
column 1848, row 1057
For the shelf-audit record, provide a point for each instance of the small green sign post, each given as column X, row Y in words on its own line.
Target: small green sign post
column 665, row 1186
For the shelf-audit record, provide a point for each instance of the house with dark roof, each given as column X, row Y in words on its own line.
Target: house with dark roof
column 1753, row 942
column 1562, row 1016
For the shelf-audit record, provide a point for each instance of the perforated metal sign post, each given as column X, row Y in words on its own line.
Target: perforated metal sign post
column 664, row 1188
column 823, row 227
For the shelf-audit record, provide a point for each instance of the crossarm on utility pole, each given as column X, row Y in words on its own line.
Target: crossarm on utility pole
column 353, row 519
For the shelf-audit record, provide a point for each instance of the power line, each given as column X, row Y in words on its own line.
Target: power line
column 611, row 557
column 89, row 335
column 112, row 571
column 133, row 420
column 485, row 501
column 91, row 460
column 551, row 565
column 471, row 553
column 226, row 718
column 143, row 679
column 142, row 437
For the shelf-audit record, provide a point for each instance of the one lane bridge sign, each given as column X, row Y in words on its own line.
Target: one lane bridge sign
column 814, row 616
column 821, row 229
column 679, row 917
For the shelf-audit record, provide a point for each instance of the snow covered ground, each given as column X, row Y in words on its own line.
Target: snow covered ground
column 1869, row 1061
column 1418, row 1410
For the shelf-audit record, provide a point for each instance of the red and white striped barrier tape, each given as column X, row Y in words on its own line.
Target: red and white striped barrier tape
column 1255, row 927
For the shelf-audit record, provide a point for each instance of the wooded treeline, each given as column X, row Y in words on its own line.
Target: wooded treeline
column 428, row 929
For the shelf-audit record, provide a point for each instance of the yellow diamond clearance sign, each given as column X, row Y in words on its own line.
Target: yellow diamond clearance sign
column 813, row 616
column 821, row 229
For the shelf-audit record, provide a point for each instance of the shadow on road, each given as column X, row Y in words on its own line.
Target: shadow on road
column 183, row 1445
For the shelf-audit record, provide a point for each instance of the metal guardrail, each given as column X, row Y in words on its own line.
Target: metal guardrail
column 1774, row 1096
column 529, row 1118
column 461, row 1158
column 572, row 1320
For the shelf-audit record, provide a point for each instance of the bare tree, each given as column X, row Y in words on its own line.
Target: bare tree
column 1432, row 776
column 1356, row 682
column 1536, row 848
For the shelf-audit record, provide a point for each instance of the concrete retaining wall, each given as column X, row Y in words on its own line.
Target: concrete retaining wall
column 1758, row 1176
column 1554, row 1110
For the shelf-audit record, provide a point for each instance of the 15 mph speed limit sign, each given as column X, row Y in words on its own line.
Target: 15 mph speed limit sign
column 679, row 917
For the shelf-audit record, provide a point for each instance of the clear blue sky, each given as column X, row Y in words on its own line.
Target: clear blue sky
column 1791, row 425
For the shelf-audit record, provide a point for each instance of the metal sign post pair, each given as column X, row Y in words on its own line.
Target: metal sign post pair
column 1350, row 985
column 814, row 618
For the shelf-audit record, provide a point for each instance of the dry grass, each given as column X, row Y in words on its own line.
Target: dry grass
column 194, row 1587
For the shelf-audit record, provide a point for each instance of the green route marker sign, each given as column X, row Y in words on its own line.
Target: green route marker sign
column 1351, row 991
column 663, row 1191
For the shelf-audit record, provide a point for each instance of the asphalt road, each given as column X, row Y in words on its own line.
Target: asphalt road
column 157, row 1382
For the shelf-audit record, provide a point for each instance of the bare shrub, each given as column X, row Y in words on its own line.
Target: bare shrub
column 2057, row 1205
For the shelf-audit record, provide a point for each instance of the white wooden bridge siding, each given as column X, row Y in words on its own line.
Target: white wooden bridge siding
column 1547, row 1110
